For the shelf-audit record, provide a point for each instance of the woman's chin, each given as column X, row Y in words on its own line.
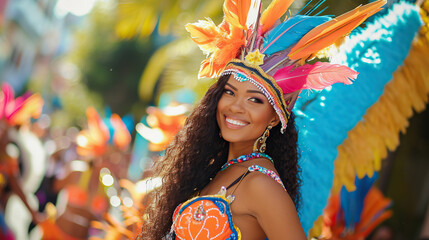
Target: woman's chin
column 238, row 139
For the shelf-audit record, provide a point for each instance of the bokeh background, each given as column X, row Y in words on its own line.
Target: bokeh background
column 117, row 79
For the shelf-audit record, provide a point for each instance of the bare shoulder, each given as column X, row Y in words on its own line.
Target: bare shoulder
column 262, row 188
column 272, row 206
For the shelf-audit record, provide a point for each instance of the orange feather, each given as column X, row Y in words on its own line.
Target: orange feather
column 95, row 137
column 121, row 136
column 96, row 127
column 325, row 40
column 373, row 212
column 368, row 229
column 205, row 69
column 223, row 47
column 328, row 33
column 374, row 203
column 204, row 34
column 274, row 11
column 236, row 12
column 331, row 210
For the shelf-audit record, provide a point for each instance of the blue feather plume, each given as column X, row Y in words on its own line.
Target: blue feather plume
column 352, row 202
column 295, row 27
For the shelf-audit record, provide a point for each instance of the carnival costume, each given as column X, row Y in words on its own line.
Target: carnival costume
column 272, row 55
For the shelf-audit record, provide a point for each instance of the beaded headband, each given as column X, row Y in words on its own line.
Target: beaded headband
column 272, row 54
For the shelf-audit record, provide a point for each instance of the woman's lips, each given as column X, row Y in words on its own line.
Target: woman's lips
column 234, row 123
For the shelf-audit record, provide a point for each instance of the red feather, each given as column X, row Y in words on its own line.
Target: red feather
column 317, row 76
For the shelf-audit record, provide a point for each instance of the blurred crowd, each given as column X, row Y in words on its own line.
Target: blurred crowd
column 75, row 184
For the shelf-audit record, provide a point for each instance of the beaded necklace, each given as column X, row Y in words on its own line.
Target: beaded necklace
column 244, row 158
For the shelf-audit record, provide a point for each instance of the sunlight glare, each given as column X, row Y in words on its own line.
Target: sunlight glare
column 76, row 7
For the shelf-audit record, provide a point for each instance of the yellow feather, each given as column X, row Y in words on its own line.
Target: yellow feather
column 367, row 143
column 377, row 161
column 316, row 230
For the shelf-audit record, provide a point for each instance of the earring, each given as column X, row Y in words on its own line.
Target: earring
column 262, row 140
column 220, row 134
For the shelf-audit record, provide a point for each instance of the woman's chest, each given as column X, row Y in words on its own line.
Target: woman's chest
column 241, row 216
column 230, row 179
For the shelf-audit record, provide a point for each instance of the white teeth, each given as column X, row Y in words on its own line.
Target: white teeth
column 235, row 122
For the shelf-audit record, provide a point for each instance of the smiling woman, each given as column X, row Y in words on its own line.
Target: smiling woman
column 232, row 172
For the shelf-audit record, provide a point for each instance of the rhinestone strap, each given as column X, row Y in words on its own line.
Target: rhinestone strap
column 267, row 172
column 244, row 158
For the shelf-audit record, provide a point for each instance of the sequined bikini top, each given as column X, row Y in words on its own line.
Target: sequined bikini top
column 209, row 217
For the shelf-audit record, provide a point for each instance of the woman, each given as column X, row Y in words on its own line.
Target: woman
column 228, row 168
column 229, row 96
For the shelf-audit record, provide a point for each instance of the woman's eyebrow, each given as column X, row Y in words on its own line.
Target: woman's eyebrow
column 249, row 91
column 255, row 91
column 230, row 85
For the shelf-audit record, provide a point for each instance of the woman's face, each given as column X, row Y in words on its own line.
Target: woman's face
column 243, row 112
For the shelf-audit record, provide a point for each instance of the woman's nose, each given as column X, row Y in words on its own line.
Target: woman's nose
column 237, row 106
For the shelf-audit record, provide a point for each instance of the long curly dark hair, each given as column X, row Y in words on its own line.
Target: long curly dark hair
column 197, row 153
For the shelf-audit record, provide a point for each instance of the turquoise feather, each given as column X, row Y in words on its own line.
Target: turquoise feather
column 290, row 32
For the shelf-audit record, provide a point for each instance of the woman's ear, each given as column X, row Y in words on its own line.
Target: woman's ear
column 275, row 120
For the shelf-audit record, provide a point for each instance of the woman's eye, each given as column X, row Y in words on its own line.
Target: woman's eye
column 229, row 92
column 256, row 100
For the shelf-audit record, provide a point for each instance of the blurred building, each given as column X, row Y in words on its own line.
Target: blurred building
column 29, row 32
column 2, row 7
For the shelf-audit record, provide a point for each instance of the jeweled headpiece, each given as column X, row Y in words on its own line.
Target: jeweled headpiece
column 271, row 53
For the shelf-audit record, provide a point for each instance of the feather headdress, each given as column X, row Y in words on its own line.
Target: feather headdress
column 258, row 47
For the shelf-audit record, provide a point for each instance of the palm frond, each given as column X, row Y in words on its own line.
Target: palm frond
column 175, row 65
column 182, row 71
column 140, row 17
column 136, row 17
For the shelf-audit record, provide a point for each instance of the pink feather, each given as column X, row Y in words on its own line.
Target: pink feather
column 6, row 99
column 317, row 76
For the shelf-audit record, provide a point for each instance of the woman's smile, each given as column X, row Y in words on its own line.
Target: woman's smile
column 235, row 123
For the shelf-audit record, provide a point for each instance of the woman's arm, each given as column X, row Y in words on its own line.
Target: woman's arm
column 272, row 206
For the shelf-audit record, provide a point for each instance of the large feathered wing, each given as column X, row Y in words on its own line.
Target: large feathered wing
column 340, row 127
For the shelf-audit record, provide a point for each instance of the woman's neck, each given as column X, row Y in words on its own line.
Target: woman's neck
column 238, row 149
